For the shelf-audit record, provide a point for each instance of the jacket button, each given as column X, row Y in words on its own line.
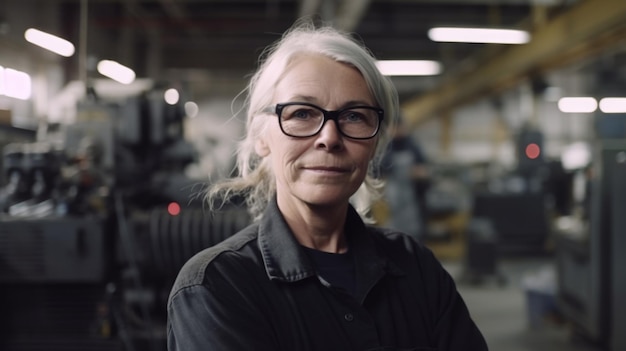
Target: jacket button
column 348, row 317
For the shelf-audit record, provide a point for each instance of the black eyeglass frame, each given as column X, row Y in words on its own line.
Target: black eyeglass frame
column 329, row 115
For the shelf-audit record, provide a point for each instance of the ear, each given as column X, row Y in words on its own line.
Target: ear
column 261, row 147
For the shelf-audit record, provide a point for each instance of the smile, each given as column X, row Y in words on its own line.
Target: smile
column 327, row 169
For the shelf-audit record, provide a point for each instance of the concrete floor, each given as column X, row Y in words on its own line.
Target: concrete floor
column 501, row 311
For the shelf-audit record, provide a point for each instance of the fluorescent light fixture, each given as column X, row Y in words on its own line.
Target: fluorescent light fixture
column 50, row 42
column 409, row 67
column 171, row 96
column 478, row 35
column 577, row 104
column 613, row 105
column 116, row 71
column 15, row 84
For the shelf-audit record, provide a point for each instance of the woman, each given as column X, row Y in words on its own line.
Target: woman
column 309, row 274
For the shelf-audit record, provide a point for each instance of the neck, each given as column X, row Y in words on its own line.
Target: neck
column 317, row 227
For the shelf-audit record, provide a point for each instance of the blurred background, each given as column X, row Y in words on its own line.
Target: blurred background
column 116, row 114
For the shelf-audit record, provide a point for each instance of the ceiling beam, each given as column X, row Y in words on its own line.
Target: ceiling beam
column 350, row 13
column 585, row 25
column 308, row 8
column 345, row 15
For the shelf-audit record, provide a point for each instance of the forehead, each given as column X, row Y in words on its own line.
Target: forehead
column 321, row 79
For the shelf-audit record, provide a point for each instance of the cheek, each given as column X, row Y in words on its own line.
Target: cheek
column 371, row 153
column 374, row 147
column 284, row 154
column 367, row 157
column 287, row 156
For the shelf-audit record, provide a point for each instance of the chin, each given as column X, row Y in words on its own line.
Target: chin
column 327, row 197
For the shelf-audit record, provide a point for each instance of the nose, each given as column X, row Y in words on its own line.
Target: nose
column 329, row 137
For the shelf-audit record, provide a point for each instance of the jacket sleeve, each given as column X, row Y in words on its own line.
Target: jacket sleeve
column 217, row 315
column 454, row 328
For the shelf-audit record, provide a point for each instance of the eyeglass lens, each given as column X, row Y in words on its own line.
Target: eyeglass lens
column 304, row 120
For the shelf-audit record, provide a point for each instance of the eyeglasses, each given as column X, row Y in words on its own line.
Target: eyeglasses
column 301, row 120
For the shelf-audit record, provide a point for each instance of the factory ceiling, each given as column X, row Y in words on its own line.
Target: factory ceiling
column 228, row 35
column 211, row 46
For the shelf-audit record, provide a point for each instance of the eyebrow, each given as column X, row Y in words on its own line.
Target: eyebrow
column 313, row 100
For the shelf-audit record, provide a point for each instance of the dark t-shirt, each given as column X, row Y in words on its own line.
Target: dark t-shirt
column 336, row 269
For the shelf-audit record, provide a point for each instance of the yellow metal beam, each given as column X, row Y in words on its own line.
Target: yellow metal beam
column 581, row 32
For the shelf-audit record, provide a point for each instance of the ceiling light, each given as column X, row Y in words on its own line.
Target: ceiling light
column 409, row 67
column 577, row 104
column 2, row 83
column 116, row 71
column 478, row 35
column 50, row 42
column 613, row 105
column 171, row 96
column 15, row 84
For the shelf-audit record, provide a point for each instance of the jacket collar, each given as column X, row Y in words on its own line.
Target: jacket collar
column 283, row 258
column 286, row 261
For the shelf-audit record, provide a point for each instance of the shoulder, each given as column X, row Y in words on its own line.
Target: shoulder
column 194, row 271
column 396, row 240
column 416, row 261
column 403, row 249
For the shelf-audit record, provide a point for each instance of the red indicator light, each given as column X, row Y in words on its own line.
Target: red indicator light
column 533, row 151
column 173, row 209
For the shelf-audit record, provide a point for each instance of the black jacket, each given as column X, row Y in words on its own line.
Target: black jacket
column 258, row 290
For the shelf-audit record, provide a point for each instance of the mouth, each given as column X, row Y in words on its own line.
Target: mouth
column 326, row 169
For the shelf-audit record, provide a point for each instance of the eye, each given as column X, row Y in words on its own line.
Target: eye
column 301, row 113
column 353, row 116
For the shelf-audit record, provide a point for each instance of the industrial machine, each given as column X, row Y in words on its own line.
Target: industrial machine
column 589, row 257
column 518, row 204
column 96, row 219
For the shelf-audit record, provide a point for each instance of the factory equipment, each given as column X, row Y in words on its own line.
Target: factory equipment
column 518, row 204
column 96, row 219
column 618, row 260
column 589, row 256
column 590, row 251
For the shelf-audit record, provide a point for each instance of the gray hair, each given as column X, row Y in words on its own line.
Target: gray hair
column 255, row 180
